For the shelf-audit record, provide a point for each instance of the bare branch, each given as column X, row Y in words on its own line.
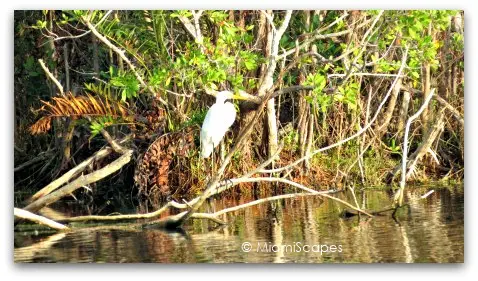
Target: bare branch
column 80, row 182
column 268, row 78
column 50, row 75
column 454, row 112
column 73, row 172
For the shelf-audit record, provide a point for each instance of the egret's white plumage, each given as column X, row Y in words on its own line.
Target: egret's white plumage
column 218, row 119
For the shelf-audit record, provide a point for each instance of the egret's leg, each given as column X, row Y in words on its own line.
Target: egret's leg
column 223, row 151
column 213, row 170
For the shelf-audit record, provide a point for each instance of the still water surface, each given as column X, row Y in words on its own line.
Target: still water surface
column 303, row 230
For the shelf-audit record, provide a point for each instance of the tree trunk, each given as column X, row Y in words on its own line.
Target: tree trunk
column 272, row 127
column 390, row 108
column 402, row 116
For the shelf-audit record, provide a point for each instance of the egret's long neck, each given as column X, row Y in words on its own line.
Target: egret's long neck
column 221, row 100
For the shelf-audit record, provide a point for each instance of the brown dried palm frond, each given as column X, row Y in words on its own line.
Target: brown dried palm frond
column 77, row 107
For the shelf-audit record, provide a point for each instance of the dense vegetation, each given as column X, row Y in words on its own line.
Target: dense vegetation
column 145, row 79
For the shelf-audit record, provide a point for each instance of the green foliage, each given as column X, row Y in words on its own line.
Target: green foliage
column 229, row 56
column 415, row 29
column 197, row 118
column 31, row 67
column 128, row 85
column 99, row 123
column 394, row 147
column 347, row 94
column 323, row 100
column 222, row 61
column 290, row 140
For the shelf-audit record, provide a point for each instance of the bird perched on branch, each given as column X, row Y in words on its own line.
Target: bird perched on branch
column 219, row 119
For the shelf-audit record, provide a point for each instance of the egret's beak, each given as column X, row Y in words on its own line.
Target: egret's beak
column 238, row 97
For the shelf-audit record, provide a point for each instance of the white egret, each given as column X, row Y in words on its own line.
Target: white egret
column 218, row 119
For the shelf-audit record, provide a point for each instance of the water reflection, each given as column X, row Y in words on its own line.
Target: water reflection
column 429, row 230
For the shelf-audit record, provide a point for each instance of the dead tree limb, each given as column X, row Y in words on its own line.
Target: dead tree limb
column 80, row 182
column 422, row 149
column 453, row 111
column 40, row 157
column 74, row 172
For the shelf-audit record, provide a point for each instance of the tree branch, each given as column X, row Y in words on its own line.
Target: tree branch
column 73, row 172
column 50, row 75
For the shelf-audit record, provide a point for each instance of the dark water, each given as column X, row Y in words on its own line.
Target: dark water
column 304, row 230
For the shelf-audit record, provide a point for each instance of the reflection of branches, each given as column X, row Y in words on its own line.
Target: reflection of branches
column 25, row 254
